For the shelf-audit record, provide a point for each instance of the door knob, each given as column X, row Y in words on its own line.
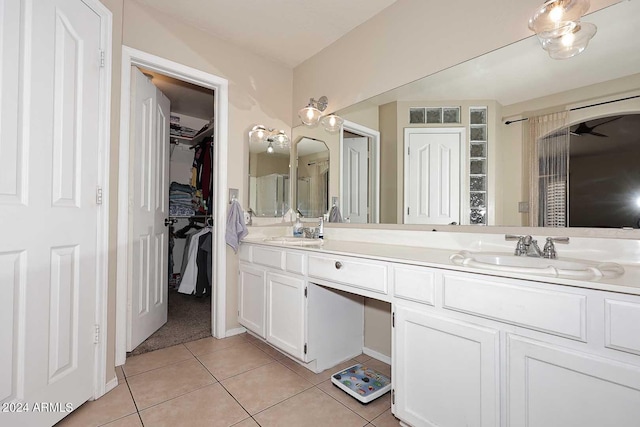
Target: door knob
column 338, row 265
column 169, row 221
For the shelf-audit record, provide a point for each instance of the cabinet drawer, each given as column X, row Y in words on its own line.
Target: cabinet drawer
column 269, row 257
column 416, row 284
column 294, row 262
column 508, row 301
column 622, row 325
column 355, row 272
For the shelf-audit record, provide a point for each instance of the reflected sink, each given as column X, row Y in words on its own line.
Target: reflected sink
column 532, row 265
column 294, row 241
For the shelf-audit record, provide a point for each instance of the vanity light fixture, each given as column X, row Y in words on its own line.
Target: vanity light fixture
column 332, row 123
column 558, row 27
column 260, row 134
column 311, row 114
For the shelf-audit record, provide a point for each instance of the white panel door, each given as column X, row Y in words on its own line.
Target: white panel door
column 445, row 372
column 550, row 386
column 355, row 182
column 286, row 313
column 50, row 91
column 149, row 201
column 432, row 175
column 252, row 299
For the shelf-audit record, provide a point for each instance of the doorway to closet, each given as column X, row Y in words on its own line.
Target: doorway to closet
column 171, row 160
column 172, row 305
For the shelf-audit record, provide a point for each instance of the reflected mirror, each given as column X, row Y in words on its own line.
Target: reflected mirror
column 269, row 180
column 312, row 173
column 493, row 100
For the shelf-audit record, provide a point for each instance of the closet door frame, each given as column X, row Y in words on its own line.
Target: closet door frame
column 220, row 86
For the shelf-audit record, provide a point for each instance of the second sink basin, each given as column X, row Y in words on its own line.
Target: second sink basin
column 533, row 265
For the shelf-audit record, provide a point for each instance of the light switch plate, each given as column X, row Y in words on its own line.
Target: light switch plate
column 523, row 207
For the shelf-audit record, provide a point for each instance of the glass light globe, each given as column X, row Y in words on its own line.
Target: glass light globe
column 270, row 148
column 257, row 134
column 332, row 123
column 281, row 139
column 570, row 44
column 310, row 115
column 557, row 17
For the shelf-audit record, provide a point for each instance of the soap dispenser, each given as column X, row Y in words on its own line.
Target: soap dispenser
column 297, row 227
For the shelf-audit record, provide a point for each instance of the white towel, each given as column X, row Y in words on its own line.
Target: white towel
column 334, row 215
column 236, row 229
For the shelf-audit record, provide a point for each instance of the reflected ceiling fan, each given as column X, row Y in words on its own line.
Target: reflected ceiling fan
column 584, row 129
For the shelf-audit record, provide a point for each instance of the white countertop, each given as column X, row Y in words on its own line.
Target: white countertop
column 628, row 283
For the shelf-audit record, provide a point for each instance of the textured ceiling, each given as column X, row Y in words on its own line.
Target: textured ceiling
column 288, row 31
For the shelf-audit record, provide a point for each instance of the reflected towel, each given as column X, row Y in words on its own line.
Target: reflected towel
column 236, row 229
column 334, row 214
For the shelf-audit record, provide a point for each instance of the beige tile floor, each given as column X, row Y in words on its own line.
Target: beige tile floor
column 237, row 381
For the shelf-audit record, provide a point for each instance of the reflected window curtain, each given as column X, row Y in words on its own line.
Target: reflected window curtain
column 318, row 188
column 548, row 142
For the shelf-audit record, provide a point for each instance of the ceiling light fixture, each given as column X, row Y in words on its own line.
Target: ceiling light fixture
column 558, row 27
column 260, row 134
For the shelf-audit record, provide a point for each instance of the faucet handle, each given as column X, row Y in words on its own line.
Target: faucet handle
column 513, row 237
column 549, row 250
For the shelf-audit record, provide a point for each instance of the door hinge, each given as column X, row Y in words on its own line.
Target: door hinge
column 96, row 336
column 99, row 195
column 393, row 319
column 407, row 210
column 102, row 58
column 393, row 396
column 305, row 349
column 408, row 151
column 305, row 292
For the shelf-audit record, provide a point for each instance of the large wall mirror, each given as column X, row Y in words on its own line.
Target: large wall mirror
column 269, row 184
column 312, row 177
column 501, row 165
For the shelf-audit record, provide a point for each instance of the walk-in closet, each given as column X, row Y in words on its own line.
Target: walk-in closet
column 184, row 186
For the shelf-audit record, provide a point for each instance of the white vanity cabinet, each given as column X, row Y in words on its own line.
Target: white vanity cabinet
column 252, row 291
column 445, row 371
column 553, row 386
column 318, row 326
column 286, row 313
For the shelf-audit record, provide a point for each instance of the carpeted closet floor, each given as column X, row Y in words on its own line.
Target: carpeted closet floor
column 189, row 319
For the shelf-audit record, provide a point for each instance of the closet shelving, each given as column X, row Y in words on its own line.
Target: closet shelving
column 197, row 138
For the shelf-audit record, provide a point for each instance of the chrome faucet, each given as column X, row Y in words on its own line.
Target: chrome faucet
column 526, row 246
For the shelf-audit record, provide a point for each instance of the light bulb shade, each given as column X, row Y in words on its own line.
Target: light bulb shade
column 332, row 123
column 310, row 115
column 257, row 134
column 280, row 138
column 557, row 17
column 570, row 44
column 270, row 148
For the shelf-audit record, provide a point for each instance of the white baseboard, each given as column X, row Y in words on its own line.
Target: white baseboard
column 111, row 385
column 377, row 355
column 236, row 331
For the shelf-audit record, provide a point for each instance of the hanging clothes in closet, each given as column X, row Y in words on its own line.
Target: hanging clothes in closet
column 196, row 274
column 201, row 174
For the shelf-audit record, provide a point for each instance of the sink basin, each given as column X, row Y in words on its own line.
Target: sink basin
column 531, row 265
column 294, row 241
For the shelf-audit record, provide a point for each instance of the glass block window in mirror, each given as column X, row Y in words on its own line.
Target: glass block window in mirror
column 478, row 165
column 434, row 115
column 451, row 115
column 417, row 115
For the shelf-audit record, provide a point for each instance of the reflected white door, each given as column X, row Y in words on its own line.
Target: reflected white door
column 355, row 173
column 50, row 85
column 432, row 175
column 148, row 200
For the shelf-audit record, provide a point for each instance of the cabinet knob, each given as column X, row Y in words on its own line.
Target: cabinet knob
column 338, row 265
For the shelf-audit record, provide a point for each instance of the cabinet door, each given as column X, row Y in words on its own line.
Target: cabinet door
column 286, row 313
column 445, row 372
column 251, row 299
column 550, row 386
